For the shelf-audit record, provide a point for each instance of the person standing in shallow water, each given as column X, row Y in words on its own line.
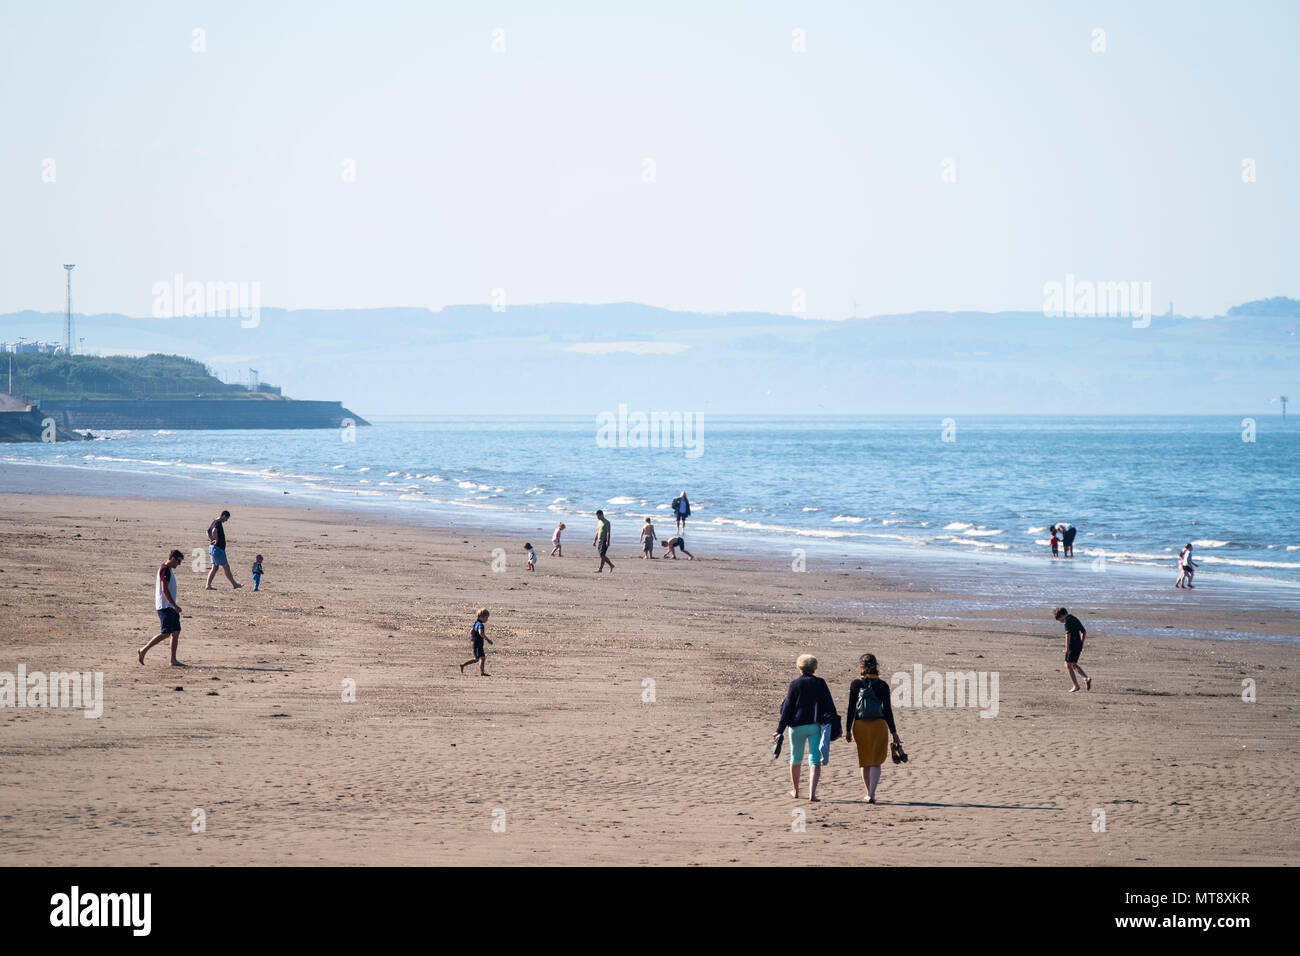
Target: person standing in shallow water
column 869, row 716
column 681, row 511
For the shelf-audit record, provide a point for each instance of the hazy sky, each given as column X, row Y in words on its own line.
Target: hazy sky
column 523, row 170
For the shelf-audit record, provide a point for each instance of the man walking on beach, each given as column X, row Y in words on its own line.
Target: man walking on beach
column 1075, row 635
column 217, row 550
column 601, row 541
column 164, row 602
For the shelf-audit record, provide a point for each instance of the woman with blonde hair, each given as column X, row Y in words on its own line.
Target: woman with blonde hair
column 808, row 704
column 868, row 716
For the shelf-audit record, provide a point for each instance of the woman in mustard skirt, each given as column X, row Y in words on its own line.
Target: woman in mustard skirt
column 870, row 722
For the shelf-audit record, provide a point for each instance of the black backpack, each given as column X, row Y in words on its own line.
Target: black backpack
column 869, row 705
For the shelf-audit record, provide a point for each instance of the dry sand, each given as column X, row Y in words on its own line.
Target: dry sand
column 415, row 771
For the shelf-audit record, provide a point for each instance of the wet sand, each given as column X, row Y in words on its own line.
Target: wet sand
column 628, row 716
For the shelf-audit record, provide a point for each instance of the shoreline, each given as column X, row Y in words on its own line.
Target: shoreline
column 937, row 583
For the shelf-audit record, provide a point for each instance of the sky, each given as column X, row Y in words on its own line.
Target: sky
column 689, row 156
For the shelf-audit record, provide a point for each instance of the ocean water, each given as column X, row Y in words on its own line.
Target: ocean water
column 1137, row 488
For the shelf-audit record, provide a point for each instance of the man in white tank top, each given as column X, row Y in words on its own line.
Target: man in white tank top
column 164, row 602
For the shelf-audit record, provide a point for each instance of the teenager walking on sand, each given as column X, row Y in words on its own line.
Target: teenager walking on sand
column 601, row 541
column 807, row 705
column 164, row 602
column 1075, row 635
column 869, row 717
column 217, row 550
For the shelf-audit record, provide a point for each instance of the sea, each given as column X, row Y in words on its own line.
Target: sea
column 1136, row 488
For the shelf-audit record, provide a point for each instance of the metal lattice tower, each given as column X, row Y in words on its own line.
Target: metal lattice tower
column 67, row 325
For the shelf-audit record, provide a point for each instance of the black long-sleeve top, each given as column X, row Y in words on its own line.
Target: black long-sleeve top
column 881, row 689
column 807, row 701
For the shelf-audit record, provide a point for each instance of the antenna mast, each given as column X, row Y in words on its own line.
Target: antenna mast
column 67, row 325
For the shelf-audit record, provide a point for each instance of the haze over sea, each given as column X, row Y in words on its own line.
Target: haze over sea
column 1137, row 488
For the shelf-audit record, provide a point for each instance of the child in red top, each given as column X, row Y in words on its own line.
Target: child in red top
column 1055, row 540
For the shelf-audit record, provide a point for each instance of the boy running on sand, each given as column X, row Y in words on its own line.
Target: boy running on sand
column 478, row 634
column 555, row 540
column 164, row 602
column 1075, row 635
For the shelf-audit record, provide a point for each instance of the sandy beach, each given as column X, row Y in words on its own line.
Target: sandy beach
column 628, row 715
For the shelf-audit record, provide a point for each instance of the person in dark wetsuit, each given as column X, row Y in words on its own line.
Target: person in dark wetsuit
column 873, row 745
column 1075, row 635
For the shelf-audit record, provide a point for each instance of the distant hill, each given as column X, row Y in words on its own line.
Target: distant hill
column 62, row 376
column 1278, row 305
column 583, row 359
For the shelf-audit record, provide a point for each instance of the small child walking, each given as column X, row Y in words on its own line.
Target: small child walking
column 647, row 540
column 555, row 540
column 1055, row 544
column 257, row 574
column 478, row 634
column 532, row 557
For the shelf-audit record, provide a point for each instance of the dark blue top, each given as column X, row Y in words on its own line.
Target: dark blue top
column 807, row 701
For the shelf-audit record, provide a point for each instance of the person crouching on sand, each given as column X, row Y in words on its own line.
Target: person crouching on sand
column 807, row 704
column 869, row 716
column 1075, row 635
column 477, row 635
column 555, row 540
column 675, row 544
column 164, row 602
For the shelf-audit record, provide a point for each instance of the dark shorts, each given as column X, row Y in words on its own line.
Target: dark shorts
column 648, row 545
column 604, row 546
column 1073, row 651
column 478, row 650
column 169, row 619
column 1069, row 537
